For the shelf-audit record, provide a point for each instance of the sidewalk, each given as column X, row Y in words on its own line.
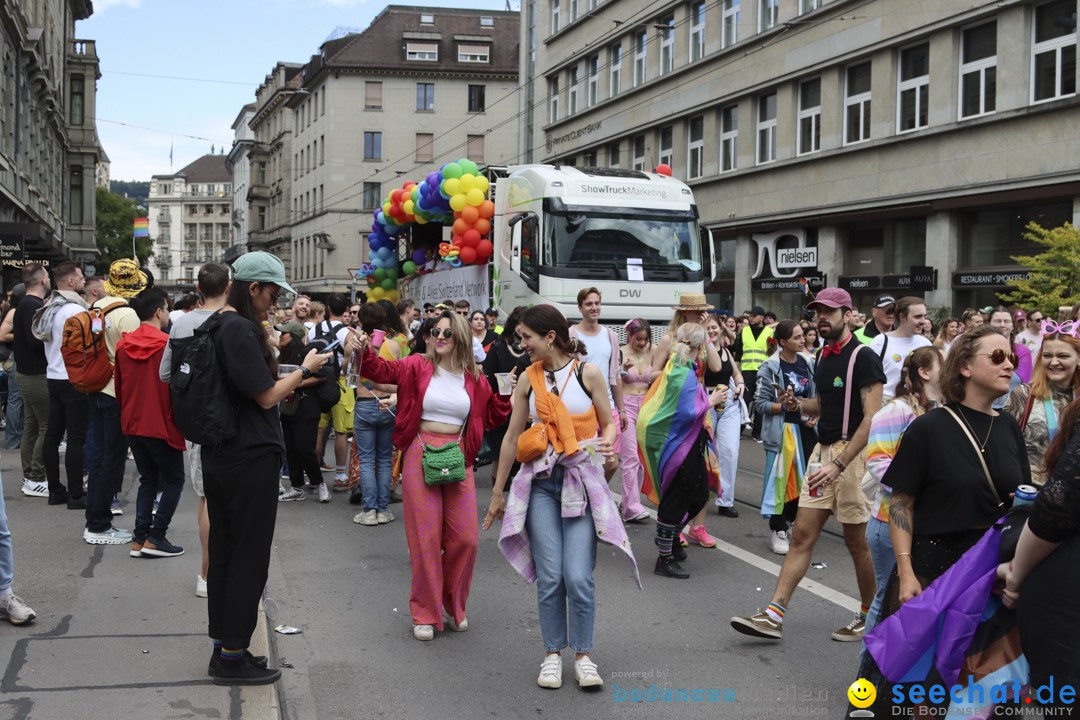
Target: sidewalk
column 115, row 636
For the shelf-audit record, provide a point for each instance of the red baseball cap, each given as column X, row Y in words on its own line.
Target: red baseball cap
column 831, row 298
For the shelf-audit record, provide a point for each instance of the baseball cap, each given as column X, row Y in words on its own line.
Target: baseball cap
column 261, row 267
column 884, row 301
column 1020, row 315
column 295, row 329
column 757, row 310
column 831, row 298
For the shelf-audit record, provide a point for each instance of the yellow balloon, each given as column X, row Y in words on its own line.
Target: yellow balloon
column 452, row 186
column 420, row 220
column 474, row 197
column 376, row 293
column 482, row 183
column 468, row 182
column 386, row 208
column 391, row 295
column 458, row 202
column 408, row 207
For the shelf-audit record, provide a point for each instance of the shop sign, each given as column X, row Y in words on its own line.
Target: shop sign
column 860, row 282
column 816, row 281
column 792, row 258
column 787, row 262
column 899, row 282
column 923, row 278
column 12, row 250
column 988, row 279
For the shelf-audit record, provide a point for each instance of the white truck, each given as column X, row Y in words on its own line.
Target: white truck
column 633, row 235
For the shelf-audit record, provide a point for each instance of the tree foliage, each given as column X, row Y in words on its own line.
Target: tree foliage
column 1055, row 272
column 138, row 190
column 115, row 225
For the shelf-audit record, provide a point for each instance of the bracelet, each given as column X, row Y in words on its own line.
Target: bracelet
column 900, row 555
column 837, row 462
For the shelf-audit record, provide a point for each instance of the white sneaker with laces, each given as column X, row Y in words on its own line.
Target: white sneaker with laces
column 384, row 516
column 455, row 626
column 14, row 610
column 780, row 542
column 200, row 587
column 366, row 517
column 585, row 671
column 324, row 493
column 291, row 495
column 35, row 488
column 112, row 536
column 423, row 632
column 550, row 672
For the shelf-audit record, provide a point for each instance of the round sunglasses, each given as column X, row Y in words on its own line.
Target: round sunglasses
column 999, row 356
column 447, row 333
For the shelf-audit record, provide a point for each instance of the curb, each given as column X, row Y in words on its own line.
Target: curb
column 262, row 702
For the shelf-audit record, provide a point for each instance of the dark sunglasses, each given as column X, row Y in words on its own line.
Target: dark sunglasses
column 554, row 385
column 275, row 295
column 999, row 356
column 447, row 333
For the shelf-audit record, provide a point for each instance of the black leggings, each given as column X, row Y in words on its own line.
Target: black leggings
column 689, row 490
column 300, row 435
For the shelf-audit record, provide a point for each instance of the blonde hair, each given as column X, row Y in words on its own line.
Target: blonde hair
column 462, row 357
column 688, row 337
column 1040, row 384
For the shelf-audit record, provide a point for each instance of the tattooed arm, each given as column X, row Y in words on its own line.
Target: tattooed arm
column 901, row 528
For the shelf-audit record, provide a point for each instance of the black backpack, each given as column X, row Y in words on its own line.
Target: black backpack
column 328, row 336
column 327, row 392
column 203, row 407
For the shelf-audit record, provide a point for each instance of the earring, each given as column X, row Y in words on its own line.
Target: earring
column 550, row 346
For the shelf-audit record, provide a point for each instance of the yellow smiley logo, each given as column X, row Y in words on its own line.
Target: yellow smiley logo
column 862, row 693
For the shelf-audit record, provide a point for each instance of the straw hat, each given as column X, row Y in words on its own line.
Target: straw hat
column 693, row 302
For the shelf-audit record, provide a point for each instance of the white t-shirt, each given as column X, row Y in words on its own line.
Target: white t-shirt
column 1032, row 341
column 599, row 347
column 446, row 399
column 896, row 351
column 56, row 369
column 176, row 315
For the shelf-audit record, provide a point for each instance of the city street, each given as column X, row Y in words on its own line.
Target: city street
column 126, row 636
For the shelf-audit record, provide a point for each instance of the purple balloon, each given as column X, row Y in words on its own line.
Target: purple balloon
column 419, row 257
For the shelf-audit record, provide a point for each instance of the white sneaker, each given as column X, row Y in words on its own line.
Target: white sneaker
column 35, row 488
column 455, row 626
column 366, row 517
column 14, row 610
column 585, row 670
column 291, row 495
column 324, row 493
column 200, row 586
column 781, row 543
column 550, row 672
column 384, row 517
column 63, row 448
column 112, row 536
column 423, row 632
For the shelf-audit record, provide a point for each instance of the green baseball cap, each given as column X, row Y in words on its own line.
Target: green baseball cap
column 261, row 267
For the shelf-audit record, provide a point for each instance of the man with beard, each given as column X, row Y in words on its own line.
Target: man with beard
column 838, row 463
column 301, row 311
column 751, row 348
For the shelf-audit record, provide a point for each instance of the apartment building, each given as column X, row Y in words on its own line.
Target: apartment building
column 878, row 145
column 190, row 219
column 49, row 148
column 238, row 163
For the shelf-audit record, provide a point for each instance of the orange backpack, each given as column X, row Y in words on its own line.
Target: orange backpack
column 83, row 348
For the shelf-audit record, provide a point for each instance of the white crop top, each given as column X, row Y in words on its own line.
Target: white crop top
column 573, row 396
column 446, row 400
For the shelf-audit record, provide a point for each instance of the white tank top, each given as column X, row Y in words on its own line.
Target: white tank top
column 446, row 400
column 574, row 397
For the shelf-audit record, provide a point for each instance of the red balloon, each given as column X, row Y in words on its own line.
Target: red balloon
column 487, row 209
column 482, row 226
column 460, row 226
column 409, row 185
column 470, row 214
column 471, row 238
column 457, row 240
column 372, row 280
column 395, row 196
column 663, row 169
column 467, row 255
column 484, row 249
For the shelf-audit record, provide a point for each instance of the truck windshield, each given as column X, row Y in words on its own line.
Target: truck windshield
column 601, row 239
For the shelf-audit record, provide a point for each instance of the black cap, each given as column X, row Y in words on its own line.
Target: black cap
column 884, row 301
column 757, row 310
column 491, row 311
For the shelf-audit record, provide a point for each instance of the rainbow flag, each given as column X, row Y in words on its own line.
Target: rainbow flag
column 805, row 285
column 671, row 416
column 142, row 227
column 785, row 479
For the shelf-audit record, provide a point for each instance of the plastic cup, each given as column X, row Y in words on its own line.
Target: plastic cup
column 377, row 337
column 286, row 369
column 503, row 379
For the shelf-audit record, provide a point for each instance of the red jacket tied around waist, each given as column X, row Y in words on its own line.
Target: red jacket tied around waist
column 145, row 405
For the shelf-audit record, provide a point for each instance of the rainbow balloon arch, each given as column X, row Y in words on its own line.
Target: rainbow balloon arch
column 455, row 195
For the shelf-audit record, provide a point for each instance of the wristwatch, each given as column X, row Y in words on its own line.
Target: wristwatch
column 305, row 373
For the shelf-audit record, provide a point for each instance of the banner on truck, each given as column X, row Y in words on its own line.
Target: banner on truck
column 464, row 283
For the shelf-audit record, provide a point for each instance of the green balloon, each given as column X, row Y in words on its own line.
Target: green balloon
column 408, row 267
column 380, row 274
column 452, row 170
column 392, row 273
column 468, row 167
column 388, row 284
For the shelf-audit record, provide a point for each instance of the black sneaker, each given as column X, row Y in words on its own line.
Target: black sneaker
column 670, row 567
column 58, row 498
column 356, row 497
column 75, row 503
column 257, row 660
column 243, row 672
column 161, row 547
column 678, row 552
column 727, row 511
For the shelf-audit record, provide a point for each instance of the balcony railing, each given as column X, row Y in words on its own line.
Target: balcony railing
column 83, row 48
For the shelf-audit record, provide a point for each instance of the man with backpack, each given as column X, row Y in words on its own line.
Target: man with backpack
column 341, row 415
column 69, row 411
column 125, row 281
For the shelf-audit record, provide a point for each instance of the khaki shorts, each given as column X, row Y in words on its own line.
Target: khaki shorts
column 342, row 413
column 843, row 496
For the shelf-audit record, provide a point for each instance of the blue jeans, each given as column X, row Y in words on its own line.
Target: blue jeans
column 374, row 432
column 564, row 550
column 7, row 557
column 109, row 458
column 162, row 465
column 14, row 413
column 881, row 550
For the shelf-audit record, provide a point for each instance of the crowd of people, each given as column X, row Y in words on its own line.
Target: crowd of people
column 914, row 437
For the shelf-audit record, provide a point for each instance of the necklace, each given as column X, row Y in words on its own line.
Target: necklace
column 982, row 445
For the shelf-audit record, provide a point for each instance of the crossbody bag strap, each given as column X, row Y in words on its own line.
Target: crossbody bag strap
column 847, row 389
column 1027, row 410
column 978, row 454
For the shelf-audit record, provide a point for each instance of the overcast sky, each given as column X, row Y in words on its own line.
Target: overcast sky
column 224, row 47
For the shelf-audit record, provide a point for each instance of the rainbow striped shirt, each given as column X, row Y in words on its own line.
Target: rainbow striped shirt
column 886, row 429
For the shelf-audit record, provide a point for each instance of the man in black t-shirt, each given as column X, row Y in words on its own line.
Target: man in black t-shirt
column 30, row 364
column 838, row 462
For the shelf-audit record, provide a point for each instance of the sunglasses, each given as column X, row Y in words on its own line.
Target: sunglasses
column 999, row 356
column 463, row 313
column 1069, row 327
column 554, row 385
column 447, row 333
column 275, row 295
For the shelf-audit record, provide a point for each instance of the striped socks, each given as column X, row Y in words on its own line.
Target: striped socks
column 665, row 537
column 775, row 611
column 232, row 655
column 864, row 610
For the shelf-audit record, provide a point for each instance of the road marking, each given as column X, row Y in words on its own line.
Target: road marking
column 813, row 586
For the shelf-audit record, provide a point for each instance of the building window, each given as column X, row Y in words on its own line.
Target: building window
column 730, row 22
column 806, row 6
column 372, row 95
column 486, row 21
column 372, row 145
column 428, row 52
column 768, row 14
column 553, row 99
column 978, row 70
column 697, row 31
column 322, row 150
column 729, row 137
column 592, row 90
column 425, row 97
column 641, row 49
column 766, row 129
column 589, row 159
column 474, row 148
column 613, row 155
column 76, row 206
column 476, row 98
column 425, row 143
column 666, row 138
column 372, row 195
column 639, row 152
column 571, row 90
column 667, row 45
column 695, row 155
column 78, row 99
column 260, row 173
column 427, row 19
column 857, row 104
column 555, row 10
column 913, row 94
column 1053, row 66
column 474, row 53
column 809, row 116
column 573, row 10
column 615, row 66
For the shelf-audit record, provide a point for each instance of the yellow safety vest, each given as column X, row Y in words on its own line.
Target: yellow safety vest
column 754, row 350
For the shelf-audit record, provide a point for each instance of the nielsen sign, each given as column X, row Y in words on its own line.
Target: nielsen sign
column 792, row 258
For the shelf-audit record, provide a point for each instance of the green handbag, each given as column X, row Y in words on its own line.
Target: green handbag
column 446, row 464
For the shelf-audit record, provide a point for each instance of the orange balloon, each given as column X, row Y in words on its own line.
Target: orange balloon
column 470, row 215
column 460, row 226
column 487, row 209
column 482, row 226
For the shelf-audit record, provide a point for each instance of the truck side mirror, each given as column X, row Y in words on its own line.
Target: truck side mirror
column 708, row 254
